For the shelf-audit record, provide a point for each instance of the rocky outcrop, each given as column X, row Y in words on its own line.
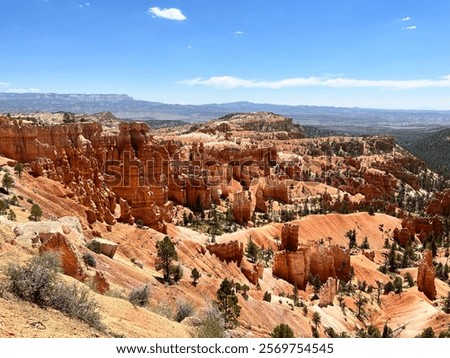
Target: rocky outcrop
column 293, row 267
column 440, row 204
column 422, row 226
column 253, row 272
column 105, row 247
column 228, row 252
column 125, row 212
column 242, row 207
column 60, row 244
column 328, row 292
column 296, row 263
column 426, row 275
column 329, row 261
column 289, row 237
column 403, row 236
column 100, row 282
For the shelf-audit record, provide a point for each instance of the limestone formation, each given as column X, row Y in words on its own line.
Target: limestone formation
column 59, row 244
column 425, row 276
column 242, row 212
column 105, row 247
column 228, row 252
column 100, row 283
column 328, row 292
column 289, row 237
column 253, row 272
column 125, row 212
column 292, row 266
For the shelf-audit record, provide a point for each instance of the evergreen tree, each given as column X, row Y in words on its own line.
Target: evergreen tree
column 36, row 213
column 165, row 254
column 252, row 250
column 282, row 331
column 227, row 302
column 195, row 275
column 18, row 168
column 7, row 182
column 316, row 319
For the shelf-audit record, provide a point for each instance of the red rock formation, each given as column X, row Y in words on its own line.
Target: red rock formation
column 423, row 226
column 425, row 276
column 289, row 237
column 369, row 254
column 440, row 204
column 253, row 272
column 70, row 262
column 242, row 207
column 100, row 283
column 328, row 292
column 295, row 264
column 105, row 247
column 329, row 261
column 125, row 212
column 403, row 236
column 229, row 251
column 292, row 266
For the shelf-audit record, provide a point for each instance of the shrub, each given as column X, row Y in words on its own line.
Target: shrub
column 183, row 309
column 267, row 296
column 35, row 282
column 212, row 324
column 94, row 246
column 89, row 259
column 282, row 331
column 227, row 303
column 427, row 333
column 140, row 296
column 3, row 207
column 11, row 215
column 195, row 275
column 38, row 282
column 35, row 213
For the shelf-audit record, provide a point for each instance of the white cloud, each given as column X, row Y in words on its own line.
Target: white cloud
column 414, row 27
column 407, row 18
column 23, row 90
column 6, row 87
column 169, row 14
column 88, row 4
column 239, row 33
column 229, row 82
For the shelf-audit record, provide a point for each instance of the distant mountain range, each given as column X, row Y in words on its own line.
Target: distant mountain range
column 124, row 106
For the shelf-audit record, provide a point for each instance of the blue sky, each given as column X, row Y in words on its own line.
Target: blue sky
column 364, row 53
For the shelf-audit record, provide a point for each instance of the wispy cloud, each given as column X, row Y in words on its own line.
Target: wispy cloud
column 6, row 87
column 87, row 4
column 413, row 27
column 169, row 14
column 230, row 82
column 407, row 18
column 239, row 33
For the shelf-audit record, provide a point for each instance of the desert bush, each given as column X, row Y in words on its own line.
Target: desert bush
column 212, row 324
column 89, row 259
column 267, row 296
column 140, row 296
column 94, row 246
column 38, row 282
column 282, row 331
column 76, row 302
column 183, row 309
column 164, row 309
